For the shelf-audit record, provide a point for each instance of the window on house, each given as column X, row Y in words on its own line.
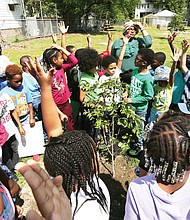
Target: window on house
column 12, row 7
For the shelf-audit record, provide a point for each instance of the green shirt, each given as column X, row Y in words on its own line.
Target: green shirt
column 87, row 80
column 131, row 50
column 141, row 89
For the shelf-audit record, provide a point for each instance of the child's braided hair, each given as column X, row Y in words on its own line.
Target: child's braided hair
column 170, row 140
column 73, row 155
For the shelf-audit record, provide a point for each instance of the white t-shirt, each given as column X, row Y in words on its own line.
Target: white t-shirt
column 147, row 201
column 105, row 78
column 4, row 62
column 6, row 106
column 91, row 209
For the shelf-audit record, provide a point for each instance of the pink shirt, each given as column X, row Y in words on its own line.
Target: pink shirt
column 3, row 135
column 60, row 89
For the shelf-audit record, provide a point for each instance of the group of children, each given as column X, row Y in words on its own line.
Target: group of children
column 151, row 92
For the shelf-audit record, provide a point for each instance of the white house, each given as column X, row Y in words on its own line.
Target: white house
column 11, row 12
column 163, row 18
column 144, row 8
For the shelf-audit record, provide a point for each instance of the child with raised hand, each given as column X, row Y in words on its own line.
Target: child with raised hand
column 53, row 57
column 76, row 154
column 164, row 76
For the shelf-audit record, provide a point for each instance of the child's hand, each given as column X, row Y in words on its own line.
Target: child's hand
column 54, row 38
column 62, row 28
column 185, row 45
column 176, row 55
column 171, row 37
column 128, row 100
column 126, row 39
column 50, row 196
column 32, row 122
column 55, row 46
column 19, row 211
column 21, row 130
column 44, row 79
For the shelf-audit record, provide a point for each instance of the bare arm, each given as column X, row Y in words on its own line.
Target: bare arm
column 16, row 118
column 185, row 46
column 31, row 120
column 82, row 96
column 120, row 59
column 89, row 41
column 109, row 42
column 63, row 31
column 50, row 115
column 171, row 38
column 175, row 58
column 54, row 38
column 67, row 53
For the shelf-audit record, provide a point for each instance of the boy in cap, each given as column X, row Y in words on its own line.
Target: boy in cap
column 164, row 76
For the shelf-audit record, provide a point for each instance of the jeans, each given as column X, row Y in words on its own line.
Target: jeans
column 139, row 143
column 154, row 114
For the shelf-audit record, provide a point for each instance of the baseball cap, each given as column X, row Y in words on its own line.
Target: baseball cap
column 184, row 107
column 162, row 73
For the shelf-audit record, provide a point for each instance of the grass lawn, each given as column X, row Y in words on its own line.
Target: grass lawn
column 36, row 47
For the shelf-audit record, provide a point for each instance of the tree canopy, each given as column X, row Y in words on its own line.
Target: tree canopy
column 75, row 9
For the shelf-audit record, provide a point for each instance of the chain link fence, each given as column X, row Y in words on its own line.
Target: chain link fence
column 14, row 30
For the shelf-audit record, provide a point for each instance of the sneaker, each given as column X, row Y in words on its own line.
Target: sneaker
column 134, row 153
column 36, row 157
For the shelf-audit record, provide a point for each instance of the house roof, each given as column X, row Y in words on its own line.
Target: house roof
column 165, row 13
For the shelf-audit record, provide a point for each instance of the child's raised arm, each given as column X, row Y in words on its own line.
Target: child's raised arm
column 120, row 59
column 185, row 46
column 63, row 31
column 50, row 115
column 171, row 38
column 89, row 41
column 175, row 58
column 109, row 42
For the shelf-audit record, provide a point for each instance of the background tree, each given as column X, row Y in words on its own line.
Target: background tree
column 71, row 11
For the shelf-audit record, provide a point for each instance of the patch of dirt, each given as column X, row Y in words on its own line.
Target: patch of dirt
column 117, row 187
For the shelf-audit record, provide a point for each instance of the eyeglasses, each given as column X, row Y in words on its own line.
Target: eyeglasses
column 140, row 59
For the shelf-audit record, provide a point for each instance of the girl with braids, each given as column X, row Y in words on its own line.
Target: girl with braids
column 167, row 153
column 73, row 155
column 53, row 57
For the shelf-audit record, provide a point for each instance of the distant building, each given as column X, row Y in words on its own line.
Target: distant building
column 11, row 12
column 144, row 8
